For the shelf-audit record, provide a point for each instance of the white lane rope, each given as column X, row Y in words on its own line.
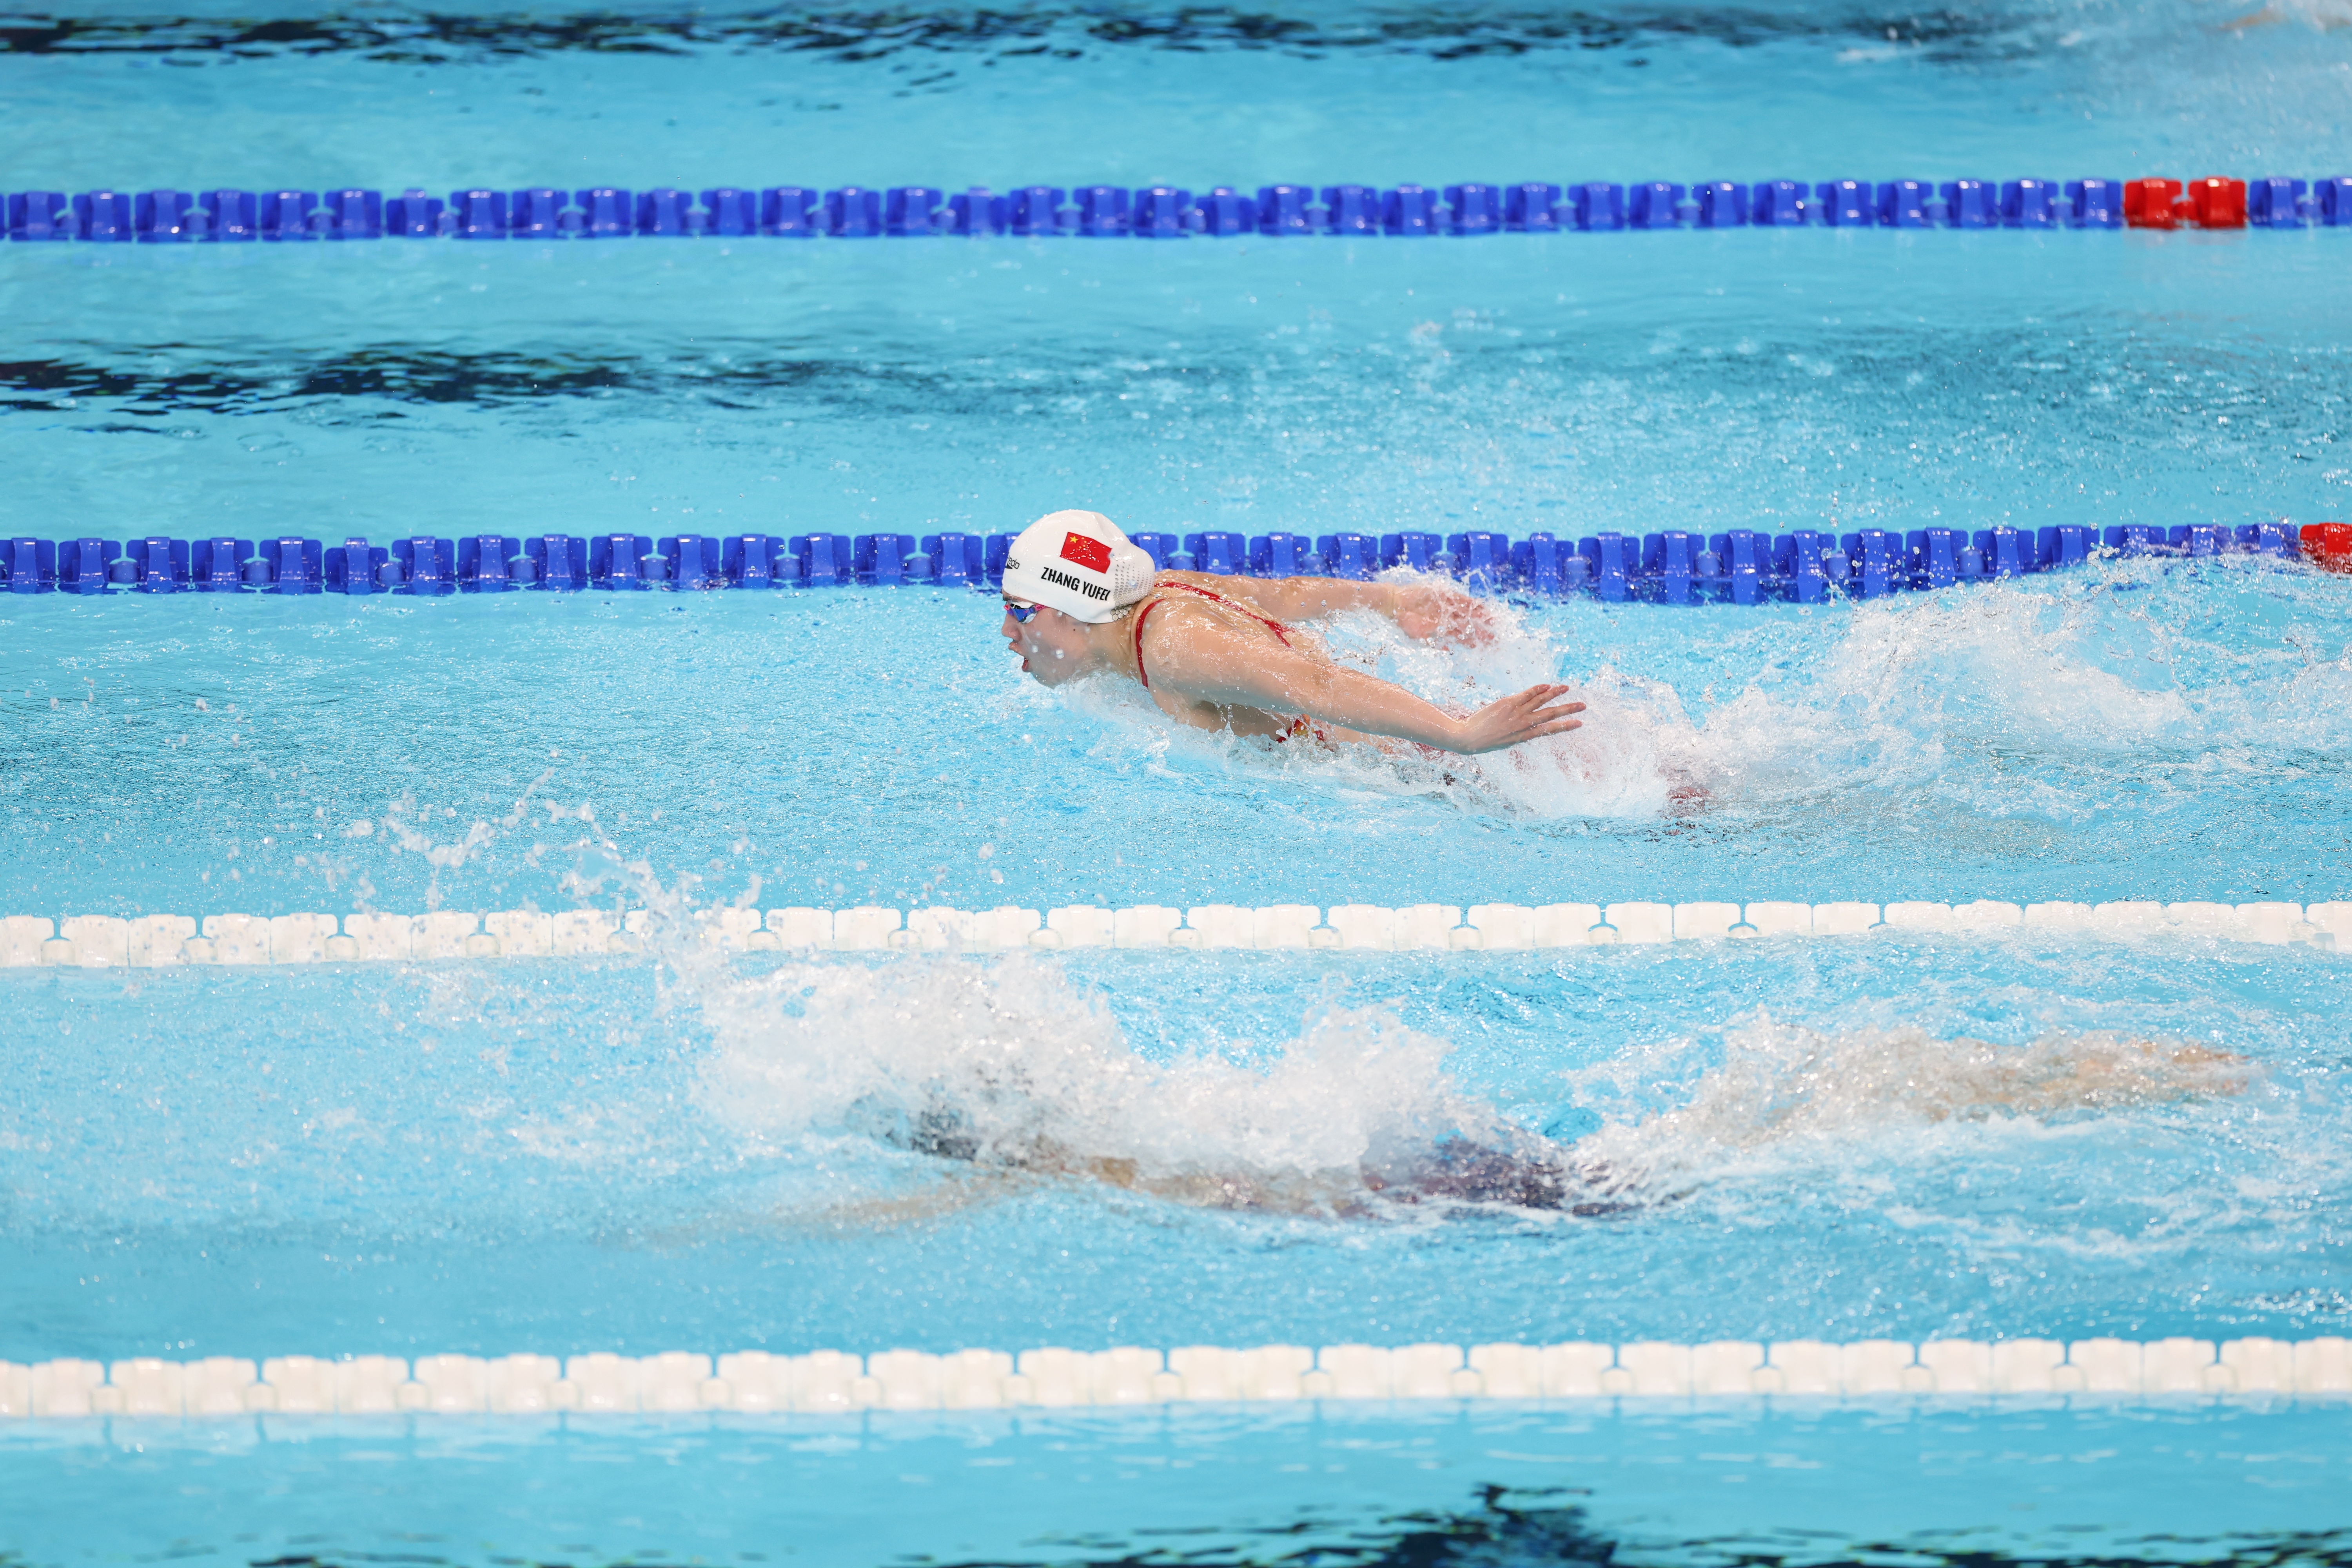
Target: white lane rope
column 832, row 1381
column 162, row 940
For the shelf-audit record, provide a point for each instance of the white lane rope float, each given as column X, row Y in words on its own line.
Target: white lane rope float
column 833, row 1382
column 164, row 941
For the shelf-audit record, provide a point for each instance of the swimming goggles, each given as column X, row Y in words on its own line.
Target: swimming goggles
column 1019, row 611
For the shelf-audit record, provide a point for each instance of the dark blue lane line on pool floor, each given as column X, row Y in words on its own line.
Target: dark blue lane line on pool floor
column 1740, row 565
column 1171, row 212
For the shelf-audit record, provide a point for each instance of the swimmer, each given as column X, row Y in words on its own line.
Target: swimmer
column 1227, row 653
column 1508, row 1169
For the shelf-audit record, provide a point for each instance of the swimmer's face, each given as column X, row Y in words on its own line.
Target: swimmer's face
column 1049, row 644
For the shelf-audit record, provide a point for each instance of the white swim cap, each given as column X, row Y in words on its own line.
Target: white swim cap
column 1078, row 562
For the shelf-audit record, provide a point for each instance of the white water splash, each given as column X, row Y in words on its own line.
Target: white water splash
column 1010, row 1065
column 1994, row 693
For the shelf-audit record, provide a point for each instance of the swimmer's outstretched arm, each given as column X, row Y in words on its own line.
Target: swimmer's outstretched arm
column 1209, row 662
column 1423, row 612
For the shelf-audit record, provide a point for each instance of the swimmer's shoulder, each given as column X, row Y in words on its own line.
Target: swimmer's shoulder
column 1172, row 609
column 1203, row 582
column 1218, row 597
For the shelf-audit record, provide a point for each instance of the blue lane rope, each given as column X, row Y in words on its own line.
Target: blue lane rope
column 1676, row 566
column 1170, row 212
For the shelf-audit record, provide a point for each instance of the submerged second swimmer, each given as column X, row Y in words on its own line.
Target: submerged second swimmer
column 1223, row 653
column 1005, row 1138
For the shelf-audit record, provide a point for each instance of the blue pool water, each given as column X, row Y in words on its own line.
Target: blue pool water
column 1398, row 1486
column 1873, row 1138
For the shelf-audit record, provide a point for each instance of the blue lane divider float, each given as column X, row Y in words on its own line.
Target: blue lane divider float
column 1740, row 565
column 1170, row 212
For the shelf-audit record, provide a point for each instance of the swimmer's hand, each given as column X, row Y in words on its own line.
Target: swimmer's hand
column 1514, row 720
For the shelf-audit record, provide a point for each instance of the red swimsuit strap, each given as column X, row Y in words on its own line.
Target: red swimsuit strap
column 1139, row 615
column 1281, row 632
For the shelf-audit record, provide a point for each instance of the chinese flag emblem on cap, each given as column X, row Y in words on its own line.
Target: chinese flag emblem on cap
column 1091, row 554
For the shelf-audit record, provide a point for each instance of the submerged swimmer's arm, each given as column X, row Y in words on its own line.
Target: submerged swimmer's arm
column 1422, row 612
column 1203, row 659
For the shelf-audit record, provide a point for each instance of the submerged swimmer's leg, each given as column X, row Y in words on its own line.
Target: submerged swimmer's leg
column 2057, row 1074
column 951, row 1194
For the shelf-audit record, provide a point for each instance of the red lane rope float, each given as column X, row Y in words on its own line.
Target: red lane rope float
column 2328, row 545
column 2210, row 203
